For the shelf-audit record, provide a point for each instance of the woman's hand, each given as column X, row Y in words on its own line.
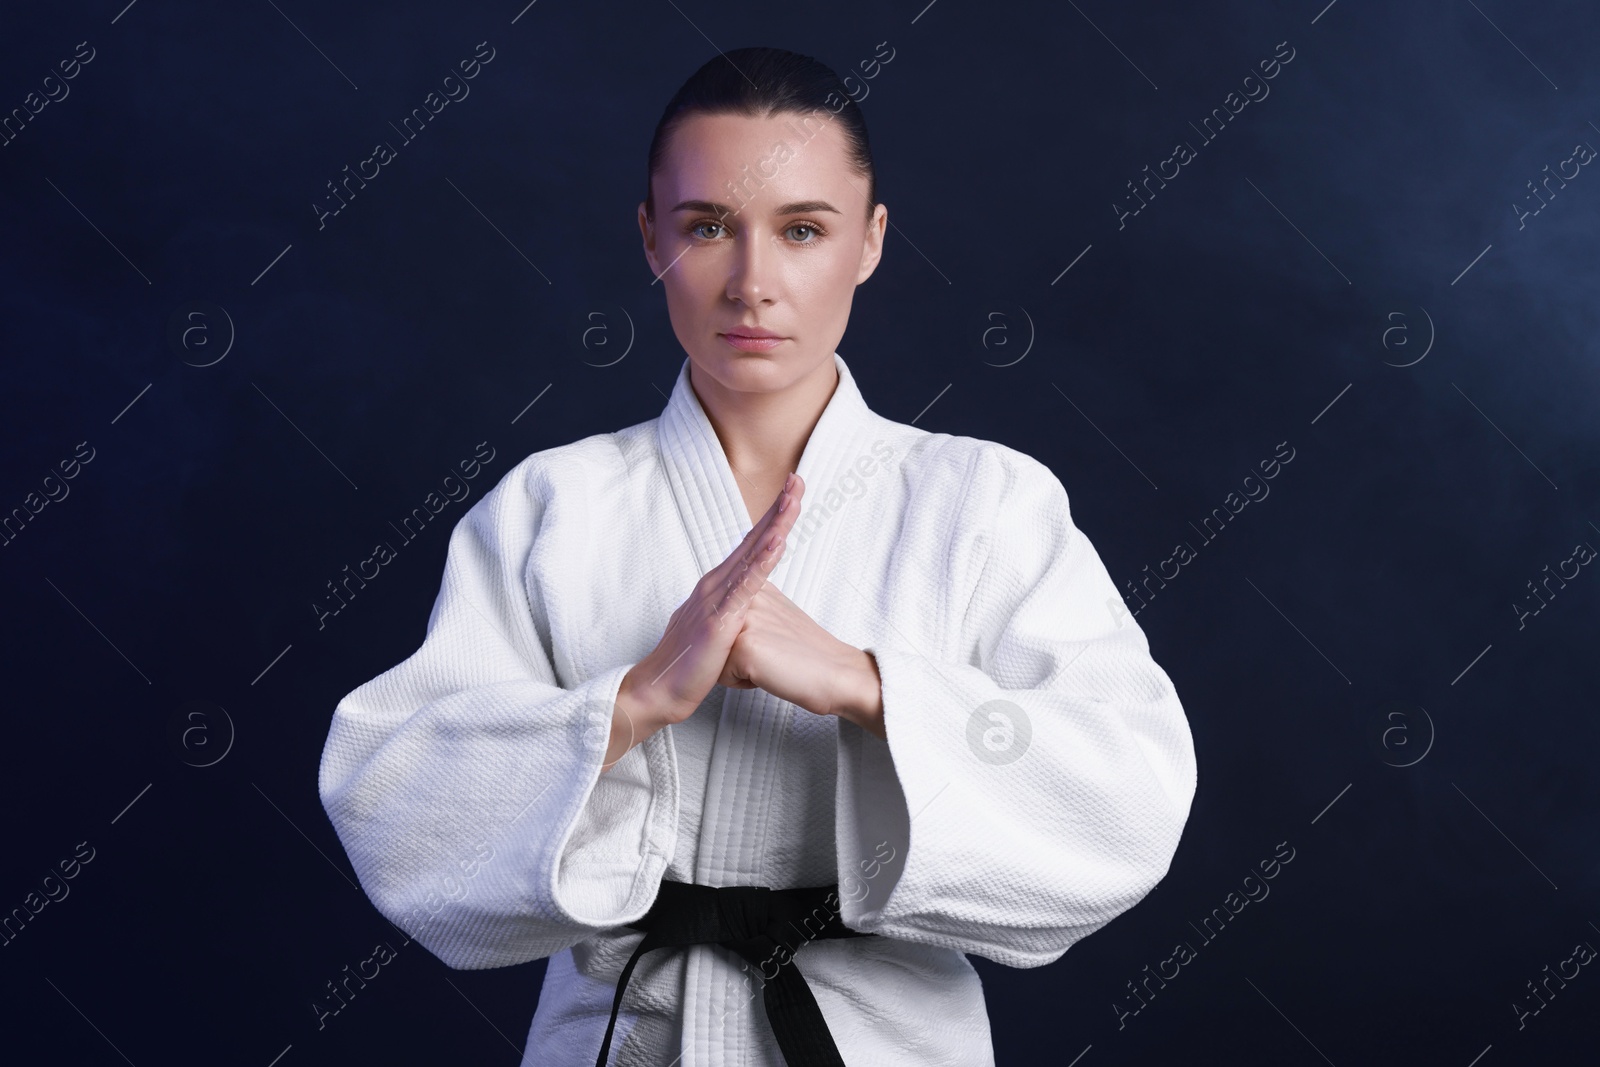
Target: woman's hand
column 670, row 682
column 786, row 652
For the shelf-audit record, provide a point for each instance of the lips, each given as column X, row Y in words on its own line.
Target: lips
column 752, row 338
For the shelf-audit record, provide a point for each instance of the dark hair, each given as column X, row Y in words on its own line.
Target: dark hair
column 760, row 82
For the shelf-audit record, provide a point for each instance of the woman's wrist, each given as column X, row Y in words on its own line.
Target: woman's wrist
column 635, row 716
column 862, row 700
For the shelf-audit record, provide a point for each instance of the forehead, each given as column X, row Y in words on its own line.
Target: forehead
column 790, row 156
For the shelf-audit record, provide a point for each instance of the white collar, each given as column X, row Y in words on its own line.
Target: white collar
column 703, row 481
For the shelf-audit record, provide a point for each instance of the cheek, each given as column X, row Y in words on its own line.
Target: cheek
column 825, row 281
column 692, row 284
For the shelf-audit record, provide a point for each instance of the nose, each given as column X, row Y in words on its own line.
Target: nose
column 749, row 272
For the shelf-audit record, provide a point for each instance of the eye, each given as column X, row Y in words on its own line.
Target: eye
column 816, row 230
column 698, row 224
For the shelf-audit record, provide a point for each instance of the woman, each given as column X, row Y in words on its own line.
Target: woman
column 813, row 700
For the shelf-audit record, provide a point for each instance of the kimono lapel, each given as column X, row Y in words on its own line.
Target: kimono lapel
column 703, row 482
column 755, row 730
column 753, row 723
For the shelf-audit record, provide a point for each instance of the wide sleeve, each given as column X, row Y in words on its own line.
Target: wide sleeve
column 465, row 784
column 1026, row 797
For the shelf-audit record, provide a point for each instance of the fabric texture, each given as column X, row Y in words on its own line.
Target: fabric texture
column 1034, row 785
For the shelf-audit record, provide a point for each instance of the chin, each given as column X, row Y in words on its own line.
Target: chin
column 751, row 371
column 737, row 362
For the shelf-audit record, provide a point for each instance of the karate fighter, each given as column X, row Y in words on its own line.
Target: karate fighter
column 757, row 717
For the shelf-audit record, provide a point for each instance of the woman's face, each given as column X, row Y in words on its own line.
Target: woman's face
column 760, row 225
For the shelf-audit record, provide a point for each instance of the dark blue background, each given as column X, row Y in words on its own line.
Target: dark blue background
column 1246, row 305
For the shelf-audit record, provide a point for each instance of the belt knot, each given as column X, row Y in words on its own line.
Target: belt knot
column 765, row 927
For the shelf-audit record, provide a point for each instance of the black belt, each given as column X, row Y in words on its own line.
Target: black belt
column 764, row 926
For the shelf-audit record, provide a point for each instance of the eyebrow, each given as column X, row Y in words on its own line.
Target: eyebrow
column 798, row 207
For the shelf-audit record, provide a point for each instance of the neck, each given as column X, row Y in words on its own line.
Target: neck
column 764, row 434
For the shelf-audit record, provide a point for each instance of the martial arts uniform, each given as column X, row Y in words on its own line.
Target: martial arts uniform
column 1037, row 775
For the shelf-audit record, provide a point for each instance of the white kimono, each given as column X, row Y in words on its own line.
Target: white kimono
column 1037, row 775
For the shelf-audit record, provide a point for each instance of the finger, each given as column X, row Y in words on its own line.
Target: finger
column 782, row 510
column 779, row 516
column 727, row 588
column 749, row 578
column 758, row 559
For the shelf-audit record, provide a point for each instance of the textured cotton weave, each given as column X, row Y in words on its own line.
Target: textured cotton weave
column 1036, row 779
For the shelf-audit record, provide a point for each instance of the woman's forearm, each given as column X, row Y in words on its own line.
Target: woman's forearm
column 634, row 717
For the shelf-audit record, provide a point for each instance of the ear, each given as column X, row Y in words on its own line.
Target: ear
column 647, row 231
column 872, row 243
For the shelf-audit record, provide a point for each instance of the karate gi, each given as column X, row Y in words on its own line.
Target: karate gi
column 1036, row 779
